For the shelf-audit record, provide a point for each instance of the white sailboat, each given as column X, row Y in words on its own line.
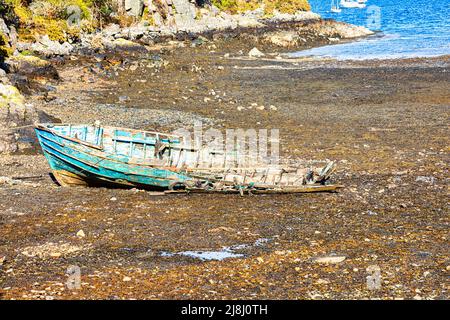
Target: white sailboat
column 352, row 4
column 335, row 6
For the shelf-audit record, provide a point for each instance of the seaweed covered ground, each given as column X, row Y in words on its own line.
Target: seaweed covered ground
column 384, row 122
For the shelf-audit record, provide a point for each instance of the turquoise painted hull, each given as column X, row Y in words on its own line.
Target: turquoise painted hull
column 87, row 161
column 92, row 155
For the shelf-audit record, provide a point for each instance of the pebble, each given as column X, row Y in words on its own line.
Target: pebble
column 55, row 254
column 330, row 259
column 126, row 279
column 113, row 199
column 81, row 234
column 429, row 180
column 322, row 281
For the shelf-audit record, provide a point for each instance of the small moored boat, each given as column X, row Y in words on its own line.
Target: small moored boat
column 94, row 155
column 335, row 6
column 352, row 4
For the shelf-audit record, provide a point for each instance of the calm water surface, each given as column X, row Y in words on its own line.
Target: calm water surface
column 408, row 28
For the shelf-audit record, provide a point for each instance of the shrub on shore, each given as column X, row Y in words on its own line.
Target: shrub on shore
column 283, row 6
column 51, row 17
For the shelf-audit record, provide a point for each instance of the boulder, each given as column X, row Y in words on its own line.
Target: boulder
column 16, row 118
column 247, row 22
column 255, row 53
column 185, row 8
column 132, row 33
column 282, row 38
column 48, row 47
column 5, row 41
column 297, row 17
column 342, row 30
column 111, row 30
column 3, row 27
column 32, row 67
column 134, row 7
column 122, row 44
column 10, row 95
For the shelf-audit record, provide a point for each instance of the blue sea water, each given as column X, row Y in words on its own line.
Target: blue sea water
column 407, row 28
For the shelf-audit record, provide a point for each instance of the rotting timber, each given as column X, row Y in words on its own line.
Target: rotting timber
column 94, row 155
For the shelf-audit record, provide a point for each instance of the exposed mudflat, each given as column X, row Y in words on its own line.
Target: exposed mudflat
column 384, row 122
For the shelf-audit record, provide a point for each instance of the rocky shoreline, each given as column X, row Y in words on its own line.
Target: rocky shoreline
column 35, row 73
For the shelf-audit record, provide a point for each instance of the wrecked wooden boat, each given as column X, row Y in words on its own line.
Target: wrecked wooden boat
column 94, row 155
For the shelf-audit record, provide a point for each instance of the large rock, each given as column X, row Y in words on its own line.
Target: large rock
column 134, row 7
column 32, row 67
column 340, row 29
column 48, row 47
column 348, row 31
column 297, row 17
column 3, row 27
column 125, row 45
column 111, row 30
column 16, row 120
column 282, row 38
column 185, row 8
column 255, row 53
column 8, row 38
column 185, row 16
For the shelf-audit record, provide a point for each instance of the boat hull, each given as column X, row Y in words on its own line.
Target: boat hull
column 83, row 155
column 76, row 164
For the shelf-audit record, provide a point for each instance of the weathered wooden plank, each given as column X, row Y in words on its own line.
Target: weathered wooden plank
column 134, row 158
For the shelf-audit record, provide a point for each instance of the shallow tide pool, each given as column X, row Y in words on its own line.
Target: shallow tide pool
column 225, row 253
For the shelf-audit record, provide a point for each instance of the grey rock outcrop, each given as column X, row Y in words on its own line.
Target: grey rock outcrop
column 134, row 7
column 8, row 37
column 48, row 47
column 122, row 44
